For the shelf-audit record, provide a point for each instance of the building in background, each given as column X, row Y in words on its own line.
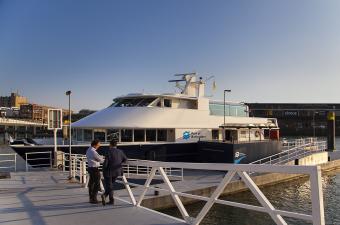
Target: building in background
column 298, row 119
column 37, row 113
column 9, row 112
column 14, row 100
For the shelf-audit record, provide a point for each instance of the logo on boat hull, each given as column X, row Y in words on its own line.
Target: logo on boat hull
column 238, row 157
column 186, row 135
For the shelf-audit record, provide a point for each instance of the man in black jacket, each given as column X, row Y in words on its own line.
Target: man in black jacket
column 112, row 168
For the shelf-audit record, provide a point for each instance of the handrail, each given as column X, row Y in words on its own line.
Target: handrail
column 296, row 151
column 14, row 161
column 137, row 171
column 27, row 159
column 314, row 173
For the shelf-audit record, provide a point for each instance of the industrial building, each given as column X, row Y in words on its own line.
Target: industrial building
column 298, row 119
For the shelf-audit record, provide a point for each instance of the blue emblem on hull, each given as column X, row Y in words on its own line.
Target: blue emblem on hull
column 186, row 135
column 238, row 157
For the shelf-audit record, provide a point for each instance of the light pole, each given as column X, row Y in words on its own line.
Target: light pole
column 68, row 93
column 224, row 112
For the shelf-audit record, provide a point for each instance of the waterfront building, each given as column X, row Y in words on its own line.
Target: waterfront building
column 298, row 119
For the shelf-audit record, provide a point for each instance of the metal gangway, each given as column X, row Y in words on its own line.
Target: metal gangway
column 296, row 149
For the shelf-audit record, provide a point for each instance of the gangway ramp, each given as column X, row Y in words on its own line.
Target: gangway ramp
column 46, row 198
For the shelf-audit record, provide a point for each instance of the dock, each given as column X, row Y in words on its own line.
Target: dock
column 47, row 198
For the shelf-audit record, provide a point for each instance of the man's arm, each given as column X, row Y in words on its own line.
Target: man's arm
column 98, row 157
column 124, row 158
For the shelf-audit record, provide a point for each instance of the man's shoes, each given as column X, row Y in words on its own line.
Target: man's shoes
column 103, row 199
column 94, row 201
column 111, row 202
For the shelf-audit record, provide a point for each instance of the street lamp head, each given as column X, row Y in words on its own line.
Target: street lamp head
column 68, row 92
column 227, row 90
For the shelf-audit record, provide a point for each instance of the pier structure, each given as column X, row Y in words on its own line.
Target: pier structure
column 46, row 197
column 19, row 129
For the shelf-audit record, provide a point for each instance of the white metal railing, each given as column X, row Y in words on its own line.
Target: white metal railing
column 8, row 161
column 296, row 150
column 299, row 142
column 35, row 157
column 314, row 172
column 80, row 165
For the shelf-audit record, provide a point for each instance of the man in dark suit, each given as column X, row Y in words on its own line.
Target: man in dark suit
column 112, row 168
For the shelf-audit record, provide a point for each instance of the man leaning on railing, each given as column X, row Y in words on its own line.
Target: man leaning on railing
column 94, row 160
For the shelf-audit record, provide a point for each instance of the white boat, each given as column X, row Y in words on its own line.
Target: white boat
column 187, row 116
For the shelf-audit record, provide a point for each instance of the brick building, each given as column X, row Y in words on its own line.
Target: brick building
column 14, row 100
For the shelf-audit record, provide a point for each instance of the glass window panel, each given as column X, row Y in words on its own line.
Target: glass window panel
column 167, row 103
column 87, row 135
column 113, row 134
column 215, row 134
column 139, row 135
column 150, row 135
column 99, row 135
column 161, row 135
column 126, row 135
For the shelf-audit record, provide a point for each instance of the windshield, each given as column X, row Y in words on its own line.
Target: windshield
column 132, row 102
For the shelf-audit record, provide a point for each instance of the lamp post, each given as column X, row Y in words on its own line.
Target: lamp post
column 68, row 93
column 224, row 112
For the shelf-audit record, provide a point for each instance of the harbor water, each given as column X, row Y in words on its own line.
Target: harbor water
column 292, row 196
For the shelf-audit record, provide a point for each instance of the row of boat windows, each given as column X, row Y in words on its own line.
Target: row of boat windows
column 215, row 109
column 142, row 102
column 123, row 135
column 230, row 110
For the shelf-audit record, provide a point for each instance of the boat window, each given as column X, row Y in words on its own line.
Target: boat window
column 139, row 135
column 150, row 135
column 87, row 135
column 112, row 134
column 230, row 109
column 126, row 135
column 161, row 135
column 132, row 102
column 146, row 102
column 80, row 135
column 99, row 135
column 167, row 103
column 215, row 134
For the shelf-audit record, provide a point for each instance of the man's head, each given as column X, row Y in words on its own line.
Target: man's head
column 95, row 144
column 113, row 143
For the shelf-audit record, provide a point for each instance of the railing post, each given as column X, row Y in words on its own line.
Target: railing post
column 317, row 197
column 51, row 161
column 15, row 162
column 26, row 162
column 64, row 158
column 83, row 162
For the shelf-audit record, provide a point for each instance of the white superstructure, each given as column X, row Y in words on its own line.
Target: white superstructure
column 179, row 117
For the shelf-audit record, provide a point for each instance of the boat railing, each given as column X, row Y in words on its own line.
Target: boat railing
column 8, row 161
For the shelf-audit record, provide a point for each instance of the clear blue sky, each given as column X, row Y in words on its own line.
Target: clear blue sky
column 264, row 50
